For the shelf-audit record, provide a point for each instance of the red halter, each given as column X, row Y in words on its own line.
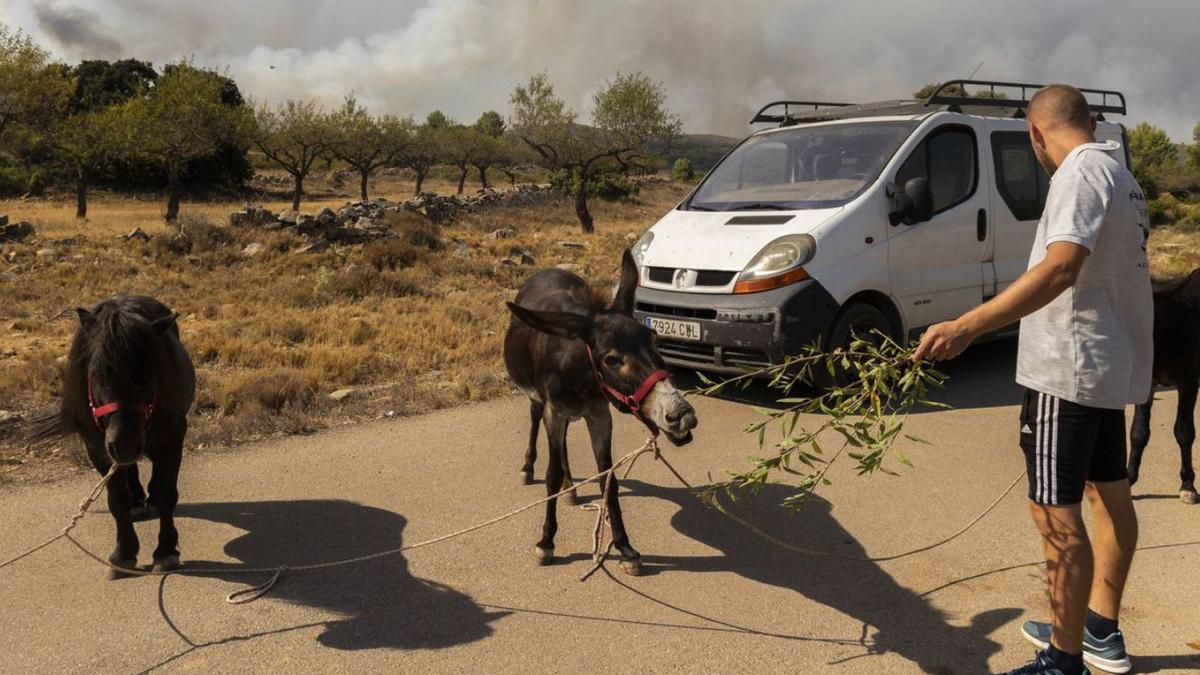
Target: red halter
column 99, row 413
column 633, row 403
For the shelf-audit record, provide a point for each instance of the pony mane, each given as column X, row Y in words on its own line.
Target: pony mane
column 121, row 349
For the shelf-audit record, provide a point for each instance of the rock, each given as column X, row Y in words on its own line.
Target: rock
column 502, row 233
column 252, row 216
column 574, row 244
column 45, row 253
column 287, row 216
column 16, row 232
column 343, row 394
column 570, row 267
column 631, row 236
column 252, row 249
column 521, row 256
column 314, row 246
column 327, row 216
column 135, row 233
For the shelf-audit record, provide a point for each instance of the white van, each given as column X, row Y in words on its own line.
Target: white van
column 847, row 218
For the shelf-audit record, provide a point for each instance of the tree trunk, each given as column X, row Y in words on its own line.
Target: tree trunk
column 362, row 183
column 81, row 190
column 173, row 190
column 462, row 178
column 581, row 209
column 297, row 191
column 420, row 179
column 482, row 177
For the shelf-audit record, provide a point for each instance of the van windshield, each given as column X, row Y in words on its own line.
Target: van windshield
column 801, row 168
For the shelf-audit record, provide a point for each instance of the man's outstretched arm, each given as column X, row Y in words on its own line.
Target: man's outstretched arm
column 1029, row 293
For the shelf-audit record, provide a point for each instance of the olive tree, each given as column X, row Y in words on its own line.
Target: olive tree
column 293, row 134
column 489, row 129
column 627, row 112
column 364, row 142
column 32, row 89
column 183, row 118
column 1154, row 156
column 423, row 151
column 86, row 142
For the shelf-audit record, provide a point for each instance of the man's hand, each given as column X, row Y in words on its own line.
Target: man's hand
column 943, row 341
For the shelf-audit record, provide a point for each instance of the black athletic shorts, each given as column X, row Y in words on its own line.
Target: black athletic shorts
column 1067, row 445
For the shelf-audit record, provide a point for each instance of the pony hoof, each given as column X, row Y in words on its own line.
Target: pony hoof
column 573, row 498
column 114, row 574
column 526, row 477
column 167, row 564
column 632, row 567
column 545, row 556
column 1189, row 497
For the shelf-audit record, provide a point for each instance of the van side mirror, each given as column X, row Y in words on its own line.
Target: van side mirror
column 913, row 202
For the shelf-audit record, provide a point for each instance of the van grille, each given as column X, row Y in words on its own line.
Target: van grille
column 665, row 275
column 707, row 355
column 684, row 312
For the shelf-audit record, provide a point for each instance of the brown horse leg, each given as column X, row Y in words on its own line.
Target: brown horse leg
column 556, row 434
column 536, row 409
column 1185, row 435
column 1139, row 437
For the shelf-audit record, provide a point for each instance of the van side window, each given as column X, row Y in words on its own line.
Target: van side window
column 947, row 157
column 1020, row 179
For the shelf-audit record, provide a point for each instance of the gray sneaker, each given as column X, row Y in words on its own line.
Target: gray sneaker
column 1041, row 665
column 1107, row 654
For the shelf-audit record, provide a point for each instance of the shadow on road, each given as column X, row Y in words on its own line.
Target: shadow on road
column 895, row 619
column 383, row 605
column 981, row 378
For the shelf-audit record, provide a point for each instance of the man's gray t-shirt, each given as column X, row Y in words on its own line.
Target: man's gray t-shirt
column 1094, row 344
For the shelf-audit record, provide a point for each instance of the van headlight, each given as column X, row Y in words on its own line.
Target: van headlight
column 779, row 263
column 641, row 247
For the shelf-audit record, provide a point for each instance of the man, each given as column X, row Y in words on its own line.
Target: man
column 1085, row 352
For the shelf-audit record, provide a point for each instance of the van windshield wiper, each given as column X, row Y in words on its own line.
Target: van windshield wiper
column 758, row 207
column 697, row 207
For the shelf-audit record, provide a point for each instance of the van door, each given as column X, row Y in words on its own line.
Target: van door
column 1021, row 187
column 936, row 267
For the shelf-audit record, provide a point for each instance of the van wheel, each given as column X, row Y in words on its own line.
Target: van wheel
column 857, row 320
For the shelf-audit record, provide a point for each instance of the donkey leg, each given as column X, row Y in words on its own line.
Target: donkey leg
column 536, row 409
column 126, row 551
column 556, row 434
column 164, row 489
column 1185, row 435
column 572, row 497
column 1139, row 437
column 600, row 430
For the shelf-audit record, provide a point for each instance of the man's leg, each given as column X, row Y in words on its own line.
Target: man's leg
column 1114, row 539
column 1069, row 569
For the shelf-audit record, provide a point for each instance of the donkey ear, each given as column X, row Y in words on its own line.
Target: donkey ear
column 85, row 317
column 623, row 296
column 563, row 324
column 163, row 324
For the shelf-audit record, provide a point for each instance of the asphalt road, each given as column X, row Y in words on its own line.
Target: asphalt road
column 715, row 597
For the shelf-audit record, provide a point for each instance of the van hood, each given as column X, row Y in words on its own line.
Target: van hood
column 706, row 240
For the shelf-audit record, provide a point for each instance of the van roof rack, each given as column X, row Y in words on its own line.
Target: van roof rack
column 951, row 93
column 786, row 117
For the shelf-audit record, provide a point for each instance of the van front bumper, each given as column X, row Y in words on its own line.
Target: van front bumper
column 742, row 331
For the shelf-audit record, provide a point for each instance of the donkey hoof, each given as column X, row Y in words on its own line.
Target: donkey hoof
column 632, row 567
column 167, row 564
column 545, row 556
column 526, row 477
column 114, row 573
column 1189, row 497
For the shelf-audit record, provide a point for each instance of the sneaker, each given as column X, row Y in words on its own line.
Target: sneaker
column 1042, row 665
column 1107, row 654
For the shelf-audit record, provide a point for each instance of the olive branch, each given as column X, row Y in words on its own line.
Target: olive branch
column 876, row 384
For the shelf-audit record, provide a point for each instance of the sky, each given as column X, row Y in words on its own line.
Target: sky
column 718, row 60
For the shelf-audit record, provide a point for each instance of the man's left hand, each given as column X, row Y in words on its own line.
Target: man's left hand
column 943, row 341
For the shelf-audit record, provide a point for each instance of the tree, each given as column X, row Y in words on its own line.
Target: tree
column 627, row 112
column 100, row 84
column 1154, row 156
column 86, row 142
column 512, row 153
column 423, row 150
column 462, row 146
column 365, row 142
column 956, row 90
column 183, row 118
column 682, row 170
column 293, row 135
column 490, row 124
column 32, row 90
column 489, row 129
column 1193, row 154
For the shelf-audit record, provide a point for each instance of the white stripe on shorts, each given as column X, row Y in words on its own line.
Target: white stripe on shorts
column 1038, row 444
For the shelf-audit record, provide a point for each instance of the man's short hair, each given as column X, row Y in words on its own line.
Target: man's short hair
column 1060, row 104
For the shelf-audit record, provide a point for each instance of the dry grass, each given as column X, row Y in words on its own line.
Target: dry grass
column 412, row 323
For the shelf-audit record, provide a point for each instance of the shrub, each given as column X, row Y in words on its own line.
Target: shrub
column 682, row 170
column 192, row 235
column 391, row 254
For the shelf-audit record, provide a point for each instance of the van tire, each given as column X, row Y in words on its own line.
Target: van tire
column 857, row 319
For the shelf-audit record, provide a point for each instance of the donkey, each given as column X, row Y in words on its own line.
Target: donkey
column 128, row 387
column 573, row 353
column 1176, row 363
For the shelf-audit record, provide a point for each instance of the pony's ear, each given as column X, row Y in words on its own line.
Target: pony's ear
column 562, row 324
column 85, row 318
column 623, row 297
column 163, row 324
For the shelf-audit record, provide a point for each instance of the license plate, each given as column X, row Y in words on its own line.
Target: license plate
column 672, row 328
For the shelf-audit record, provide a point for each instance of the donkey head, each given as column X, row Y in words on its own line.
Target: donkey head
column 124, row 354
column 624, row 354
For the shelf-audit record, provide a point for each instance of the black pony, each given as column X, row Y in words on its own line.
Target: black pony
column 128, row 387
column 1176, row 363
